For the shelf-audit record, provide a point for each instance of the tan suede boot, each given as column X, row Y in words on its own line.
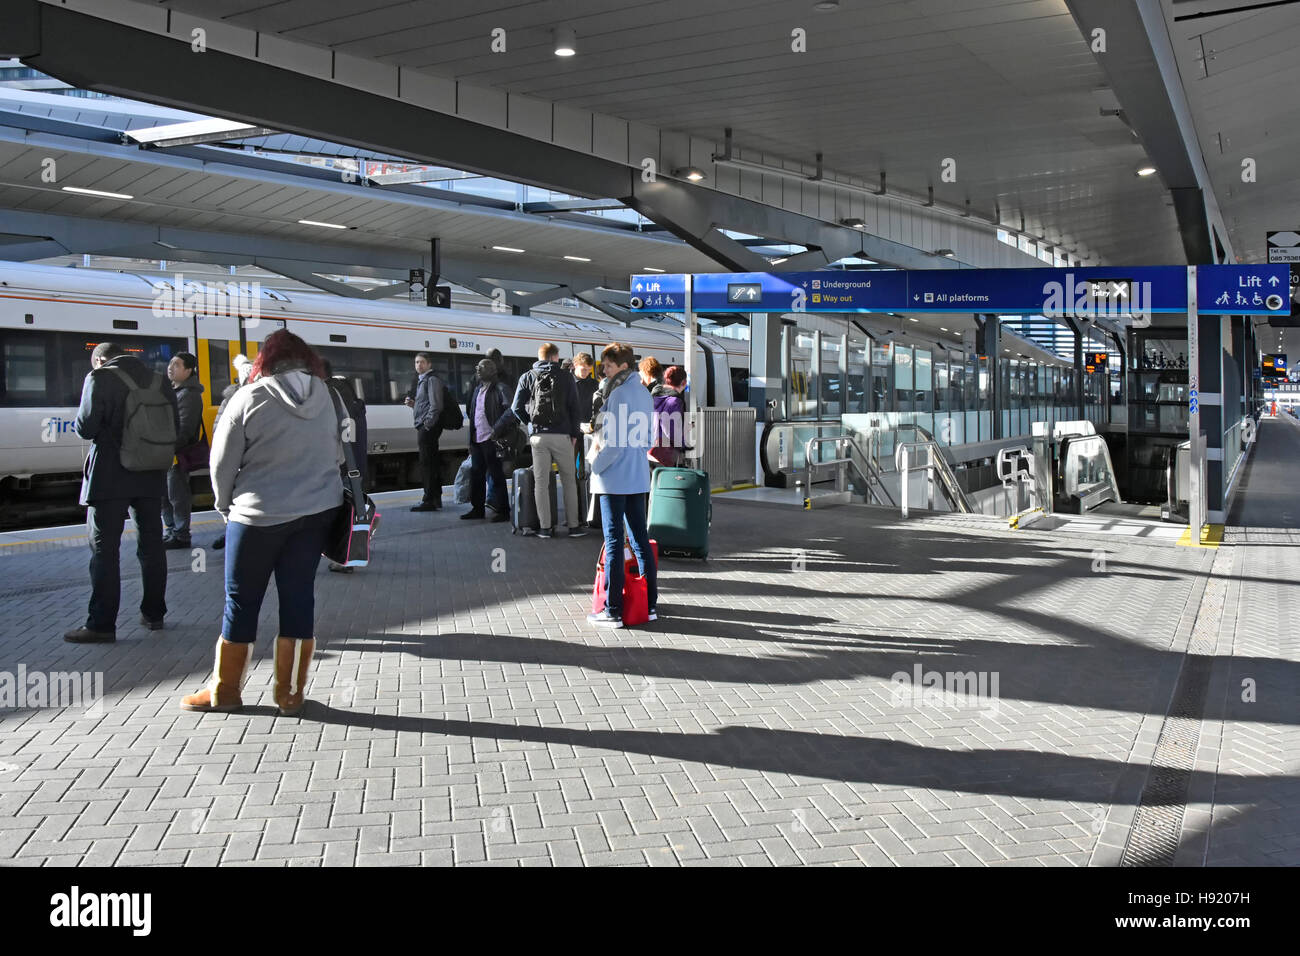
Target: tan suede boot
column 222, row 695
column 292, row 663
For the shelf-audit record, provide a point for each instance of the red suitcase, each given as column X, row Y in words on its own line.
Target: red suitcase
column 635, row 593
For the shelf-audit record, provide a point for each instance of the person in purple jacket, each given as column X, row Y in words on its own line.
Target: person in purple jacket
column 670, row 419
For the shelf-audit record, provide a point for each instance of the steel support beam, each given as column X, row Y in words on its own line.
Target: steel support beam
column 1142, row 68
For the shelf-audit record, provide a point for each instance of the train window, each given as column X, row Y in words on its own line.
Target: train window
column 739, row 385
column 49, row 368
column 364, row 368
column 220, row 373
column 398, row 379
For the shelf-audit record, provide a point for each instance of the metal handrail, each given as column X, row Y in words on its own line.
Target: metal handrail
column 947, row 476
column 872, row 478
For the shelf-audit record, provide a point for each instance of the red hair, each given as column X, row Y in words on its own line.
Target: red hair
column 282, row 351
column 675, row 376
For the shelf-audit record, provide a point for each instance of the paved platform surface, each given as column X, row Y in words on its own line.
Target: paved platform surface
column 465, row 714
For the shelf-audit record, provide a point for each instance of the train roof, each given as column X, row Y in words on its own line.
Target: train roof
column 59, row 281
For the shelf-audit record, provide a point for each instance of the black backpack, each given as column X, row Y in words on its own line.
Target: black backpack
column 450, row 418
column 148, row 426
column 546, row 401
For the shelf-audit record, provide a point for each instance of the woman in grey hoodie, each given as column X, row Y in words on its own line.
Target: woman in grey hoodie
column 275, row 473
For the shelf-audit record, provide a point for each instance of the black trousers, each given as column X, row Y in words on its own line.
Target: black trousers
column 104, row 522
column 429, row 472
column 485, row 460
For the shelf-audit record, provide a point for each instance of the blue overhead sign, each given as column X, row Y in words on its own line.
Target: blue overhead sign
column 1118, row 292
column 831, row 290
column 1243, row 290
column 659, row 293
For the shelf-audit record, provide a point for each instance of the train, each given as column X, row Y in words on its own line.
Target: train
column 51, row 318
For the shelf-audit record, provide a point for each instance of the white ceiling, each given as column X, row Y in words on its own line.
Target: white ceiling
column 1007, row 88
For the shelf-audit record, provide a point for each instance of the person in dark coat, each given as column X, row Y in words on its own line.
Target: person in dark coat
column 355, row 406
column 243, row 368
column 109, row 491
column 176, row 504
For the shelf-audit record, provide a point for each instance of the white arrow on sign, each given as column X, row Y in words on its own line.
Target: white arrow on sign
column 1272, row 280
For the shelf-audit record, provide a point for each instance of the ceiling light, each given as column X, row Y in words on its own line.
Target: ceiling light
column 942, row 329
column 566, row 41
column 945, row 253
column 506, row 249
column 777, row 262
column 693, row 173
column 327, row 225
column 910, row 319
column 1146, row 170
column 96, row 192
column 577, row 258
column 854, row 223
column 652, row 269
column 826, row 6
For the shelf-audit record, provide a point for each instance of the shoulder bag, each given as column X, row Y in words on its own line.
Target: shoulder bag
column 357, row 520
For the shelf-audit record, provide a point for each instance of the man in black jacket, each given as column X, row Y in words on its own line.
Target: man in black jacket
column 488, row 402
column 176, row 503
column 109, row 490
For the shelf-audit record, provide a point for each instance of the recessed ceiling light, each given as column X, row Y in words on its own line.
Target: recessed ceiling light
column 777, row 262
column 96, row 192
column 506, row 249
column 326, row 225
column 854, row 223
column 1146, row 170
column 942, row 329
column 693, row 173
column 577, row 258
column 652, row 269
column 826, row 6
column 945, row 253
column 566, row 41
column 910, row 319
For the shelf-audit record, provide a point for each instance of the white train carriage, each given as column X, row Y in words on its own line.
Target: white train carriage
column 51, row 317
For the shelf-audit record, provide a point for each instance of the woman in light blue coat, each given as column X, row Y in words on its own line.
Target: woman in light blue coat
column 620, row 474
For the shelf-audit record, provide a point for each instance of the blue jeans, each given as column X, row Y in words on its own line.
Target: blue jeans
column 615, row 512
column 105, row 519
column 176, row 504
column 292, row 552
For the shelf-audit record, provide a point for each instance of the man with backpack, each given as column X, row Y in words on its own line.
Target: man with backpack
column 547, row 400
column 128, row 412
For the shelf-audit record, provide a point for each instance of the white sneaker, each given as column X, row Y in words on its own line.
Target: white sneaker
column 605, row 619
column 654, row 616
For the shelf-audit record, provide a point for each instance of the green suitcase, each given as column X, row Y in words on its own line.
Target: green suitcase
column 681, row 511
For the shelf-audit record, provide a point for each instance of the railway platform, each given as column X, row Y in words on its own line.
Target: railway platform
column 839, row 686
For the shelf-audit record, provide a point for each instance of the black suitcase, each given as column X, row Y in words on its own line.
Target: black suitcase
column 523, row 510
column 584, row 497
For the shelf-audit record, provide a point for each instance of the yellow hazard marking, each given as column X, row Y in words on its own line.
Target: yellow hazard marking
column 1211, row 537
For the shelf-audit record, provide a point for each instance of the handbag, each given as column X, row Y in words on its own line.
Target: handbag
column 357, row 520
column 195, row 457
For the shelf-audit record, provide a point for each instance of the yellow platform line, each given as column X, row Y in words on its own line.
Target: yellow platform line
column 723, row 491
column 1211, row 537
